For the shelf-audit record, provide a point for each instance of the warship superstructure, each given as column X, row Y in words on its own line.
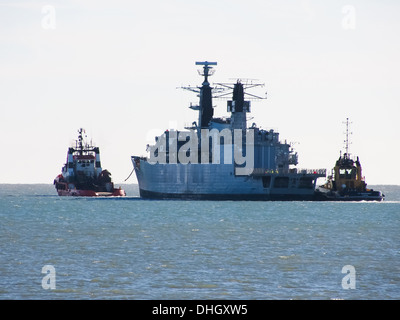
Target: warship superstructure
column 82, row 174
column 223, row 158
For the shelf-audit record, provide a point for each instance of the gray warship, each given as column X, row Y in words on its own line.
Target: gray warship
column 223, row 158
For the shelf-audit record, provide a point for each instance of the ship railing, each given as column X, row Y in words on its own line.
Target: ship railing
column 264, row 171
column 312, row 171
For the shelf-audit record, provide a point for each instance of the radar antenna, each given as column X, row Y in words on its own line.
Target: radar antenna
column 248, row 83
column 207, row 70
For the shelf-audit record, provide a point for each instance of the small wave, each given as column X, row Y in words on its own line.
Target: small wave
column 193, row 286
column 287, row 257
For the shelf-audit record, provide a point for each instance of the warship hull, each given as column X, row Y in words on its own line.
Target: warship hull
column 218, row 182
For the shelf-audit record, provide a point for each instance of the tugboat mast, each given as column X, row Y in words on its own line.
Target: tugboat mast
column 347, row 142
column 80, row 141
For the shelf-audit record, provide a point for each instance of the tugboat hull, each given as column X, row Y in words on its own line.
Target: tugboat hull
column 70, row 190
column 91, row 193
column 329, row 195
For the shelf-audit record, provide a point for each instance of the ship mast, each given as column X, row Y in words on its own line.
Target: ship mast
column 80, row 141
column 205, row 106
column 346, row 141
column 206, row 109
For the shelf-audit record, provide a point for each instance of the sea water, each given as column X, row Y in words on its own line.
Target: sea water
column 55, row 247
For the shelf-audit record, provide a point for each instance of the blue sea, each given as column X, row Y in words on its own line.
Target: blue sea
column 55, row 247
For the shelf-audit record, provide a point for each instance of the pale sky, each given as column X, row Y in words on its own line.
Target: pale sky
column 113, row 68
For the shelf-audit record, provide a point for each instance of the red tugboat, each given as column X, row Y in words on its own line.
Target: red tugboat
column 83, row 176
